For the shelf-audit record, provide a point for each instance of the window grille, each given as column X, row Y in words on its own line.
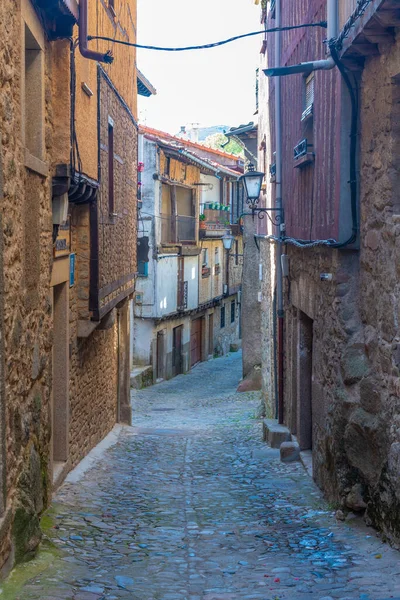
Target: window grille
column 308, row 96
column 222, row 317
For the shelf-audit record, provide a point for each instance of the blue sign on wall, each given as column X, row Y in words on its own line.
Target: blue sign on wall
column 71, row 270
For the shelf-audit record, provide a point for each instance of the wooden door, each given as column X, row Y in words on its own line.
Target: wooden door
column 160, row 355
column 211, row 334
column 195, row 342
column 177, row 350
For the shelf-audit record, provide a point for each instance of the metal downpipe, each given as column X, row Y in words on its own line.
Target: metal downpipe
column 279, row 205
column 83, row 37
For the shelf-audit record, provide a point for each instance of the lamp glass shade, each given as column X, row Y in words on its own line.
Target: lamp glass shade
column 252, row 181
column 227, row 240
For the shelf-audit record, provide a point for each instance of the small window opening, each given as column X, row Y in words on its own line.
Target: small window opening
column 308, row 96
column 204, row 257
column 222, row 317
column 233, row 310
column 111, row 206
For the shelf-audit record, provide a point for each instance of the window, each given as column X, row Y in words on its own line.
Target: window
column 236, row 252
column 308, row 96
column 204, row 257
column 143, row 268
column 233, row 308
column 222, row 317
column 34, row 96
column 216, row 256
column 111, row 206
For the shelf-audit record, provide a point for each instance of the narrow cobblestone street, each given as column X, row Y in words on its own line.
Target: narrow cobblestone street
column 191, row 504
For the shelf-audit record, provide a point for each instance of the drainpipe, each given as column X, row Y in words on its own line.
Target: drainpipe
column 83, row 37
column 279, row 205
column 315, row 65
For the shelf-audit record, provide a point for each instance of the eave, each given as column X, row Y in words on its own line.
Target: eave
column 58, row 16
column 145, row 88
column 374, row 27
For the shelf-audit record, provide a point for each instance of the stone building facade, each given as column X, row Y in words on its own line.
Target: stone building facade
column 341, row 331
column 68, row 262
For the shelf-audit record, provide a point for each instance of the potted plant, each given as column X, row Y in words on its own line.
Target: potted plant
column 202, row 221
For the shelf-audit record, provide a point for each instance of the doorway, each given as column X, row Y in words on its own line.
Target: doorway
column 60, row 417
column 177, row 350
column 304, row 379
column 195, row 342
column 160, row 355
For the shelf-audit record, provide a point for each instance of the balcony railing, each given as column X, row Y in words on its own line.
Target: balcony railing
column 186, row 229
column 180, row 230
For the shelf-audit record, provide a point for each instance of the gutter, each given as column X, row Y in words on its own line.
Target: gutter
column 208, row 165
column 83, row 37
column 316, row 65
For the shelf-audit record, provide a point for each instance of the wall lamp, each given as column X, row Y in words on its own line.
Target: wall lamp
column 252, row 181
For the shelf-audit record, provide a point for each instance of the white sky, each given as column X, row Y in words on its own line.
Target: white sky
column 210, row 87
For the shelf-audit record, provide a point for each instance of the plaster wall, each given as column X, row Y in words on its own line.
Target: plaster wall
column 166, row 285
column 211, row 286
column 211, row 191
column 191, row 275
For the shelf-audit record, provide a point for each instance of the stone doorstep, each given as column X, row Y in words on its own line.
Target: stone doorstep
column 141, row 376
column 275, row 434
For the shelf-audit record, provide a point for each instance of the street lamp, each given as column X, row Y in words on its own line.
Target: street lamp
column 252, row 181
column 227, row 241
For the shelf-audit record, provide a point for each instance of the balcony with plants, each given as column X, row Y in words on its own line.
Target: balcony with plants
column 214, row 220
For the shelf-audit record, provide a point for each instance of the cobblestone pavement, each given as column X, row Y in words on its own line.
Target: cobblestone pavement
column 190, row 504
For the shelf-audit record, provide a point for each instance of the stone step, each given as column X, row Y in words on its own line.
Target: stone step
column 275, row 434
column 141, row 377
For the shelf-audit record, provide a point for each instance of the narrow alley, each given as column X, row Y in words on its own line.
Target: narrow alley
column 191, row 504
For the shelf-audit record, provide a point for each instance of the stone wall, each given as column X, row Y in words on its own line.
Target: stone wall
column 227, row 338
column 380, row 292
column 26, row 328
column 251, row 342
column 117, row 234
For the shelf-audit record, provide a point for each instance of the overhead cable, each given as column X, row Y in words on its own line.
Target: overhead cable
column 205, row 46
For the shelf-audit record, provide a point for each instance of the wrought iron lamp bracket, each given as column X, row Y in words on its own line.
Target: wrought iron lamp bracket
column 274, row 214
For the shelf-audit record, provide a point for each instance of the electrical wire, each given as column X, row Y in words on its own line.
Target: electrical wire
column 206, row 46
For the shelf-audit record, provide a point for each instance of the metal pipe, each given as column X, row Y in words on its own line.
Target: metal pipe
column 279, row 205
column 83, row 37
column 315, row 65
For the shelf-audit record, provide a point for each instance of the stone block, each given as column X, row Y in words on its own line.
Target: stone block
column 290, row 452
column 274, row 433
column 252, row 381
column 141, row 377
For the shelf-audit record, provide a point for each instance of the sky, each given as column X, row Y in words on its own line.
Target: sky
column 209, row 87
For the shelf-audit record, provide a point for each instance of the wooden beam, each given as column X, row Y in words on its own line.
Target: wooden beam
column 366, row 49
column 388, row 18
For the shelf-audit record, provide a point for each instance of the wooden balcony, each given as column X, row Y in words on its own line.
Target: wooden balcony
column 362, row 38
